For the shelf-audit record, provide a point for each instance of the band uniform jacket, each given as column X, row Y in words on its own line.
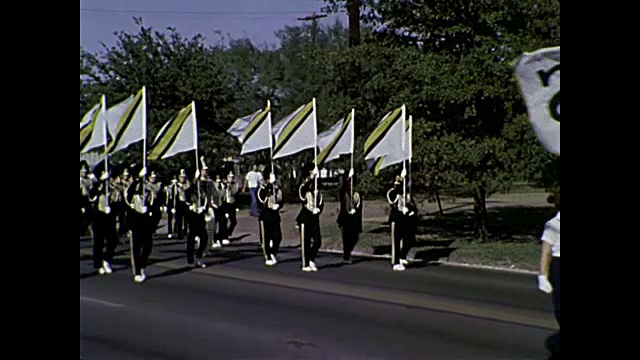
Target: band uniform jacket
column 307, row 197
column 229, row 191
column 139, row 201
column 99, row 199
column 347, row 204
column 267, row 198
column 397, row 202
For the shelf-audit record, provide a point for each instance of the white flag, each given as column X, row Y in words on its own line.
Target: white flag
column 538, row 74
column 387, row 136
column 253, row 131
column 396, row 156
column 127, row 121
column 296, row 132
column 336, row 141
column 178, row 135
column 99, row 134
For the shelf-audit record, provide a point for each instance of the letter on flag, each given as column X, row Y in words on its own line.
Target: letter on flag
column 178, row 135
column 538, row 74
column 296, row 132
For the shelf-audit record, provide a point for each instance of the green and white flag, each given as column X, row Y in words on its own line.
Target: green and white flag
column 127, row 121
column 387, row 136
column 253, row 131
column 337, row 140
column 95, row 133
column 178, row 135
column 395, row 155
column 296, row 132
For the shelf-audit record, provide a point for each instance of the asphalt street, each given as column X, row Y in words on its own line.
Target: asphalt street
column 238, row 309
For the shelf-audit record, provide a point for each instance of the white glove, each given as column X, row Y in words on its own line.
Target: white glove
column 237, row 209
column 315, row 171
column 214, row 205
column 352, row 211
column 275, row 206
column 192, row 208
column 82, row 210
column 105, row 176
column 144, row 209
column 315, row 192
column 107, row 210
column 201, row 209
column 404, row 210
column 92, row 176
column 351, row 173
column 316, row 211
column 197, row 173
column 544, row 284
column 272, row 178
column 173, row 211
column 411, row 213
column 143, row 172
column 403, row 173
column 226, row 216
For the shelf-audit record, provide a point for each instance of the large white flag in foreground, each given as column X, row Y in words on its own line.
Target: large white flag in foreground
column 539, row 76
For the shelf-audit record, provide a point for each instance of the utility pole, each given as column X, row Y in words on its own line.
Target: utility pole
column 353, row 11
column 314, row 23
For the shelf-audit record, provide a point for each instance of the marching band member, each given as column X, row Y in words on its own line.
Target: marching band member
column 309, row 219
column 210, row 217
column 216, row 205
column 157, row 200
column 171, row 199
column 198, row 203
column 103, row 225
column 86, row 183
column 230, row 189
column 270, row 195
column 403, row 223
column 140, row 223
column 181, row 208
column 350, row 217
column 124, row 182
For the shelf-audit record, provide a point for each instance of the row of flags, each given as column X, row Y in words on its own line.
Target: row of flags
column 388, row 144
column 114, row 128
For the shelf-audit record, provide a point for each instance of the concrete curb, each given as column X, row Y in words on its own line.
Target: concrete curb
column 447, row 263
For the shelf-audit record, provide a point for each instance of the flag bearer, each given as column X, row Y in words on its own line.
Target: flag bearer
column 171, row 200
column 309, row 218
column 229, row 190
column 181, row 208
column 140, row 223
column 123, row 183
column 157, row 200
column 270, row 195
column 103, row 225
column 403, row 219
column 86, row 183
column 198, row 203
column 350, row 216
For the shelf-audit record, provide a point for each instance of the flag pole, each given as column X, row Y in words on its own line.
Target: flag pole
column 144, row 139
column 404, row 163
column 271, row 146
column 353, row 130
column 195, row 143
column 410, row 149
column 315, row 153
column 103, row 100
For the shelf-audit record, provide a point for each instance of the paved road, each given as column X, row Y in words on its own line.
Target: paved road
column 237, row 309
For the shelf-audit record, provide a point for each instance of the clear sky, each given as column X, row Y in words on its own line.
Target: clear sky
column 255, row 19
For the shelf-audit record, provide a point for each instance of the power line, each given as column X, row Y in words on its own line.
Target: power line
column 123, row 11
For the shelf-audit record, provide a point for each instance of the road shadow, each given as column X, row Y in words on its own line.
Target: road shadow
column 171, row 272
column 238, row 238
column 434, row 254
column 354, row 261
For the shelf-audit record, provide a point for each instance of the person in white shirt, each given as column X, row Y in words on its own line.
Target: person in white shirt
column 549, row 277
column 252, row 181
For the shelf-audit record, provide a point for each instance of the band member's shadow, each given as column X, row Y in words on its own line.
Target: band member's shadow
column 171, row 272
column 238, row 238
column 340, row 264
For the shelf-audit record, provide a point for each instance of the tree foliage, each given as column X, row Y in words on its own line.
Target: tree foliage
column 447, row 61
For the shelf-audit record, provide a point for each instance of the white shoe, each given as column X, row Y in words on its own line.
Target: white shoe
column 273, row 259
column 404, row 262
column 102, row 271
column 269, row 262
column 398, row 267
column 107, row 267
column 170, row 236
column 138, row 278
column 307, row 269
column 312, row 265
column 226, row 242
column 201, row 264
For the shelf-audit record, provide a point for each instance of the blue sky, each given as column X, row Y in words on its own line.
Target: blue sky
column 255, row 19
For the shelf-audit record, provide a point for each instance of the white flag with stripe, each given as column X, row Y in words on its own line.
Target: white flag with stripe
column 395, row 155
column 387, row 136
column 336, row 141
column 296, row 132
column 253, row 131
column 127, row 121
column 99, row 133
column 178, row 135
column 538, row 74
